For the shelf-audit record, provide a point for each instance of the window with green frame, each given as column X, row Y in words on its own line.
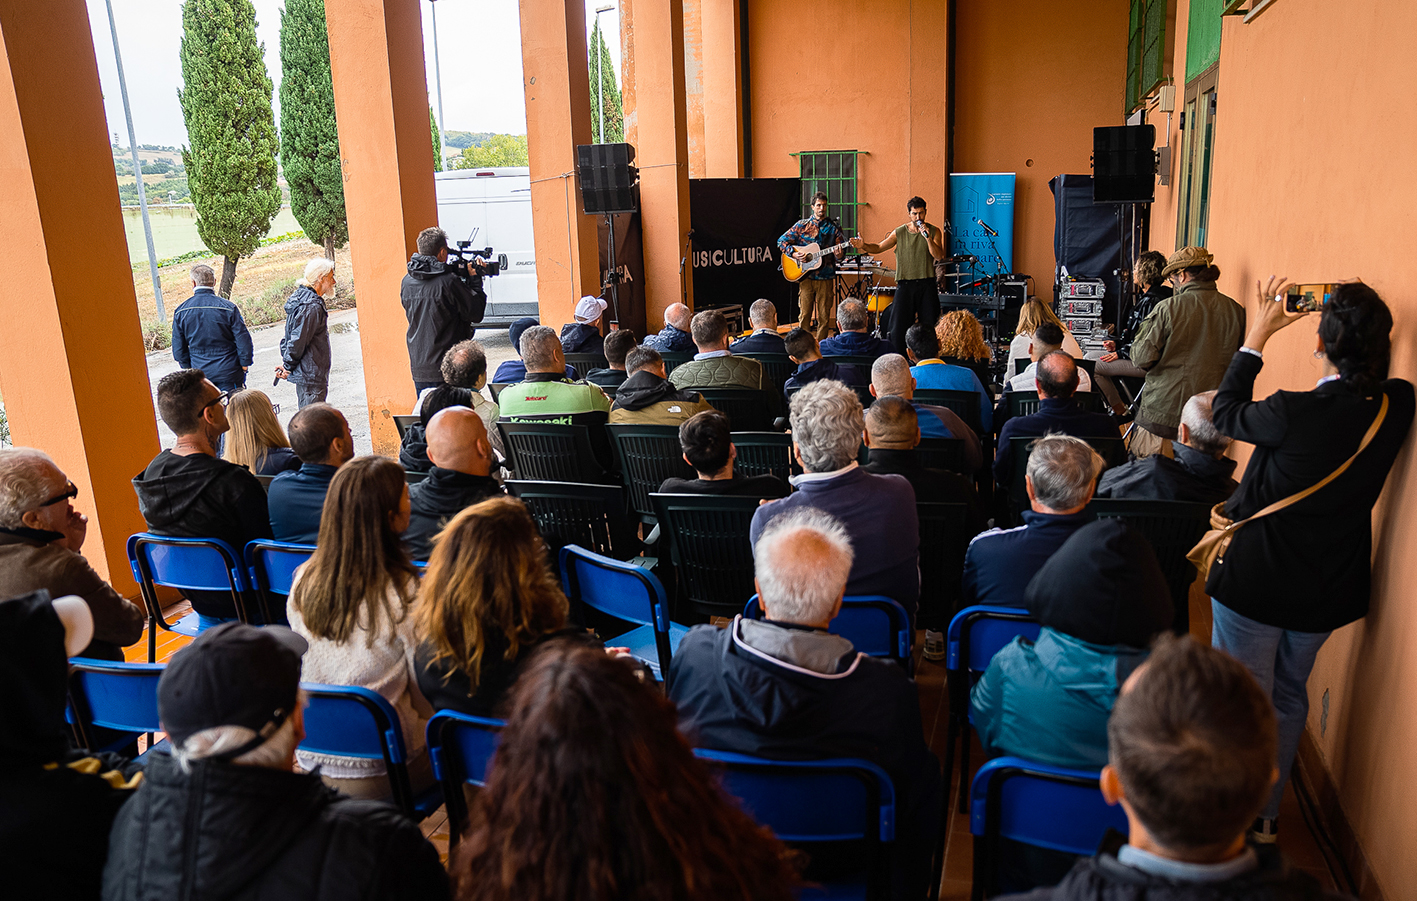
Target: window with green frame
column 832, row 172
column 1146, row 50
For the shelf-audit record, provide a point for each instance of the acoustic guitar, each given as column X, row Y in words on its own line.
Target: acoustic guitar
column 794, row 269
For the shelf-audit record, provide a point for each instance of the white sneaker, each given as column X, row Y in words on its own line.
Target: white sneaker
column 934, row 645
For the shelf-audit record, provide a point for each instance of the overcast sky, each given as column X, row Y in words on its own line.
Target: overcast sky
column 479, row 45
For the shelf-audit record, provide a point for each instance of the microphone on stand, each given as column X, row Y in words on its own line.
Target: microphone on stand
column 985, row 226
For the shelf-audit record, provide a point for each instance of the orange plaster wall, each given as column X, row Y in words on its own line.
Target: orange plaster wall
column 1163, row 211
column 722, row 90
column 694, row 99
column 71, row 365
column 1312, row 179
column 1034, row 78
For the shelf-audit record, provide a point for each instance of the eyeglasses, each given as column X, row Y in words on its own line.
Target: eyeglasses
column 69, row 494
column 221, row 398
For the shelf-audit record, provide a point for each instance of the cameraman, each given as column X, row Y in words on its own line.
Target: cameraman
column 440, row 307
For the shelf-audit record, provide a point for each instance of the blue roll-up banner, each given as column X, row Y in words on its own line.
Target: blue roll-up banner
column 986, row 197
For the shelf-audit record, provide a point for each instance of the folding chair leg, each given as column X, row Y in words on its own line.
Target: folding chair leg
column 152, row 640
column 981, row 875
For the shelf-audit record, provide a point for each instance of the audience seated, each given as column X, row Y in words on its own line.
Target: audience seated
column 595, row 795
column 617, row 346
column 256, row 440
column 320, row 435
column 465, row 366
column 186, row 492
column 785, row 687
column 890, row 377
column 488, row 599
column 803, row 350
column 41, row 535
column 647, row 397
column 1058, row 413
column 413, row 449
column 1199, row 472
column 714, row 366
column 674, row 337
column 1062, row 473
column 461, row 476
column 762, row 316
column 547, row 395
column 852, row 339
column 877, row 511
column 512, row 371
column 583, row 335
column 708, row 447
column 1191, row 750
column 893, row 433
column 930, row 371
column 351, row 601
column 1047, row 338
column 225, row 815
column 962, row 344
column 1031, row 315
column 56, row 803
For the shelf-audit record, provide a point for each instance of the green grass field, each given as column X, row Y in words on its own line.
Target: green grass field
column 175, row 231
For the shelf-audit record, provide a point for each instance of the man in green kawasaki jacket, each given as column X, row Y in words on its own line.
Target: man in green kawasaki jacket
column 546, row 395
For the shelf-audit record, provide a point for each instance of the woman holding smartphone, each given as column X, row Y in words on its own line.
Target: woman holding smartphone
column 1292, row 576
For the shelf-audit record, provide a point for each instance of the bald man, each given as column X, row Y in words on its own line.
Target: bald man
column 461, row 476
column 674, row 337
column 891, row 377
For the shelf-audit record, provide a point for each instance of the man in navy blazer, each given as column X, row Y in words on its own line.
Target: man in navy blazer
column 1057, row 413
column 209, row 334
column 762, row 315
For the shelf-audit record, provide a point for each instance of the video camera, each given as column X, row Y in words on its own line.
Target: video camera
column 471, row 266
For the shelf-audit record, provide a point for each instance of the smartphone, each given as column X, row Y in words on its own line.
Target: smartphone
column 1307, row 298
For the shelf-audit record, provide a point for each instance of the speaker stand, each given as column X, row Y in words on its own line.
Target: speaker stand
column 612, row 275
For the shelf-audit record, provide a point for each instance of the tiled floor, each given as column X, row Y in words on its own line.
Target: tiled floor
column 1295, row 839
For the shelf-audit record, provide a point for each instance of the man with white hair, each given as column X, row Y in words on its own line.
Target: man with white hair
column 1199, row 472
column 40, row 537
column 674, row 337
column 305, row 348
column 891, row 377
column 878, row 511
column 852, row 339
column 209, row 334
column 784, row 687
column 228, row 796
column 762, row 316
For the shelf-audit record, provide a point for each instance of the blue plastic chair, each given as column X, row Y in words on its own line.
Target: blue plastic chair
column 111, row 695
column 461, row 748
column 350, row 721
column 271, row 565
column 1049, row 806
column 629, row 593
column 876, row 625
column 187, row 564
column 809, row 801
column 975, row 635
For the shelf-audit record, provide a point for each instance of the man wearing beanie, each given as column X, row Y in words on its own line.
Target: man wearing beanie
column 225, row 815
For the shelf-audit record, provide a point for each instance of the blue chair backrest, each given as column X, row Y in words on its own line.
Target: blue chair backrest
column 623, row 590
column 977, row 633
column 272, row 564
column 1049, row 806
column 207, row 564
column 877, row 626
column 121, row 696
column 349, row 721
column 839, row 799
column 461, row 745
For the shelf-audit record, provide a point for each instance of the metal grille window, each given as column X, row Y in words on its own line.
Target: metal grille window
column 1146, row 50
column 832, row 172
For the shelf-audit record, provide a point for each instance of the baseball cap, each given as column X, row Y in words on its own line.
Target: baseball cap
column 516, row 329
column 232, row 675
column 1187, row 257
column 588, row 309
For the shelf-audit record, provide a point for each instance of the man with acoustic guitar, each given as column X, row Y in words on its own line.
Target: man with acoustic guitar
column 809, row 251
column 917, row 245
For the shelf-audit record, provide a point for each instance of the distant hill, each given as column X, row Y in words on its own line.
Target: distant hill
column 465, row 139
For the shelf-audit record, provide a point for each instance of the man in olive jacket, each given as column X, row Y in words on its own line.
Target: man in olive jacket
column 647, row 397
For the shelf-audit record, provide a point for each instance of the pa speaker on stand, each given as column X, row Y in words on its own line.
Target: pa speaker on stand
column 609, row 185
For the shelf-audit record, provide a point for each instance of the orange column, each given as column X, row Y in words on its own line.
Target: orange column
column 556, row 77
column 381, row 105
column 71, row 362
column 722, row 80
column 662, row 154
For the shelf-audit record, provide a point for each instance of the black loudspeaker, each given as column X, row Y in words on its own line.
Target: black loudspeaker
column 609, row 184
column 1124, row 164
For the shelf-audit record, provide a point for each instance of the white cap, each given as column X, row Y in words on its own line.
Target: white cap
column 77, row 618
column 588, row 309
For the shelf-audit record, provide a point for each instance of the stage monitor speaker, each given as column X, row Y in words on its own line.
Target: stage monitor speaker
column 1124, row 164
column 608, row 180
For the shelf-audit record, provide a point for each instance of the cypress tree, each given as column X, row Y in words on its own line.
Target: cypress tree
column 437, row 142
column 231, row 131
column 609, row 91
column 309, row 141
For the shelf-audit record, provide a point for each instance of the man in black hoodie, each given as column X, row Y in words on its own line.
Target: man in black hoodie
column 440, row 308
column 461, row 476
column 647, row 397
column 188, row 492
column 56, row 804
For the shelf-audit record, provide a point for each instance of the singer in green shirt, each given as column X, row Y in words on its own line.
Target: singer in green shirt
column 917, row 245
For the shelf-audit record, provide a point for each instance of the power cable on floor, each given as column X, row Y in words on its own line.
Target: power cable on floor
column 1308, row 809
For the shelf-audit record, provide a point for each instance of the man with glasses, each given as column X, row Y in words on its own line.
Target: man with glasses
column 40, row 537
column 188, row 492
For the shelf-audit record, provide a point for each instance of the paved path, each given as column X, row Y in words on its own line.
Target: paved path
column 346, row 374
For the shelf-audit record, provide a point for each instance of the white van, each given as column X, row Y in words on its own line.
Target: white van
column 492, row 208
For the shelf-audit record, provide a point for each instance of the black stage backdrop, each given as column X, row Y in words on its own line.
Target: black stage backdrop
column 1087, row 237
column 630, row 260
column 736, row 224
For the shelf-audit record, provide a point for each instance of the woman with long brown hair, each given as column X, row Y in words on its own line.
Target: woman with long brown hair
column 488, row 599
column 593, row 794
column 256, row 440
column 351, row 601
column 962, row 344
